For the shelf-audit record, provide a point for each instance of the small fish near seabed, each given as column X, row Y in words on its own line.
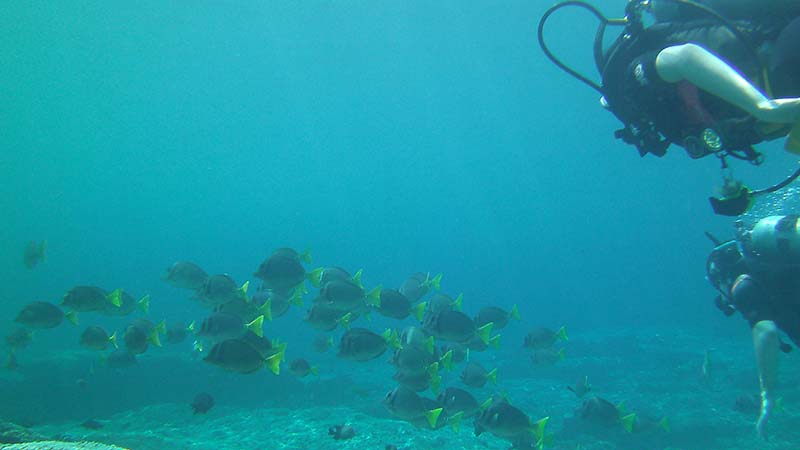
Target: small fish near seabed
column 202, row 403
column 341, row 432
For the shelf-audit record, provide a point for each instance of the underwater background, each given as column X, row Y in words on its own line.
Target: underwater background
column 397, row 137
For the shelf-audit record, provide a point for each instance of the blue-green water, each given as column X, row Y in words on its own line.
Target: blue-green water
column 390, row 136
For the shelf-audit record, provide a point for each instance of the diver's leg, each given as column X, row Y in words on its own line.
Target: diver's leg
column 708, row 72
column 766, row 343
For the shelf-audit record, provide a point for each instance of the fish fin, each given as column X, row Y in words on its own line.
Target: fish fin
column 664, row 424
column 113, row 339
column 306, row 256
column 72, row 317
column 266, row 310
column 436, row 383
column 191, row 327
column 344, row 321
column 153, row 338
column 458, row 302
column 115, row 297
column 628, row 421
column 273, row 363
column 419, row 310
column 161, row 328
column 243, row 290
column 297, row 298
column 455, row 421
column 492, row 375
column 447, row 360
column 374, row 297
column 537, row 428
column 562, row 354
column 315, row 276
column 392, row 339
column 144, row 304
column 432, row 369
column 357, row 278
column 495, row 341
column 514, row 314
column 562, row 334
column 621, row 407
column 486, row 403
column 429, row 344
column 315, row 371
column 432, row 416
column 436, row 281
column 257, row 326
column 484, row 331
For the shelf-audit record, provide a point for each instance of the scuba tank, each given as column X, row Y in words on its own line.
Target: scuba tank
column 775, row 240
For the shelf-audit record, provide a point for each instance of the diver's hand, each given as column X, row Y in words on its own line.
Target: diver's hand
column 766, row 411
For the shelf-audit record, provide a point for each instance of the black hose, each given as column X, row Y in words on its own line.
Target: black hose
column 778, row 186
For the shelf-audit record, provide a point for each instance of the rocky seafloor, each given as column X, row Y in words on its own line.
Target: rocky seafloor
column 656, row 375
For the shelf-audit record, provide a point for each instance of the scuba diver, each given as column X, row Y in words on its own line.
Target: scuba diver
column 758, row 275
column 697, row 77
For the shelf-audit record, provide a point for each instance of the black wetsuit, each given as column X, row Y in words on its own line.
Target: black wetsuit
column 771, row 296
column 638, row 96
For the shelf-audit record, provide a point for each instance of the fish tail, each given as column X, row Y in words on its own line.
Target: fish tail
column 495, row 341
column 315, row 276
column 144, row 304
column 458, row 302
column 113, row 339
column 115, row 297
column 306, row 256
column 344, row 321
column 154, row 338
column 297, row 298
column 433, row 416
column 357, row 278
column 514, row 314
column 392, row 339
column 484, row 331
column 486, row 403
column 455, row 421
column 562, row 354
column 192, row 327
column 243, row 290
column 538, row 428
column 419, row 311
column 256, row 326
column 628, row 421
column 266, row 310
column 374, row 297
column 72, row 317
column 436, row 383
column 447, row 360
column 315, row 371
column 664, row 424
column 492, row 376
column 429, row 344
column 562, row 334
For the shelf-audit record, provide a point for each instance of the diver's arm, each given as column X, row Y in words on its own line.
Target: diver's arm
column 766, row 344
column 708, row 72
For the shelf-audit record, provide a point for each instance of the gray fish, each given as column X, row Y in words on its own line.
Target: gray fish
column 275, row 303
column 185, row 275
column 348, row 296
column 418, row 382
column 323, row 275
column 238, row 355
column 476, row 344
column 342, row 432
column 322, row 317
column 176, row 333
column 19, row 338
column 90, row 298
column 283, row 270
column 301, row 368
column 599, row 411
column 415, row 336
column 221, row 326
column 120, row 359
column 360, row 344
column 542, row 338
column 413, row 359
column 406, row 405
column 202, row 403
column 92, row 424
column 322, row 343
column 455, row 400
column 42, row 315
column 96, row 338
column 128, row 304
column 35, row 253
column 508, row 422
column 459, row 352
column 454, row 326
column 581, row 388
column 139, row 334
column 498, row 316
column 219, row 289
column 475, row 375
column 443, row 302
column 419, row 284
column 395, row 305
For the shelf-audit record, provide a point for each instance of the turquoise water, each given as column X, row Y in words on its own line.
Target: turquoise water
column 391, row 136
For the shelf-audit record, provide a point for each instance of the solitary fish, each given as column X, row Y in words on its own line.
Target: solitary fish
column 475, row 375
column 43, row 315
column 90, row 298
column 185, row 275
column 542, row 338
column 96, row 338
column 35, row 253
column 238, row 355
column 360, row 344
column 202, row 403
column 283, row 270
